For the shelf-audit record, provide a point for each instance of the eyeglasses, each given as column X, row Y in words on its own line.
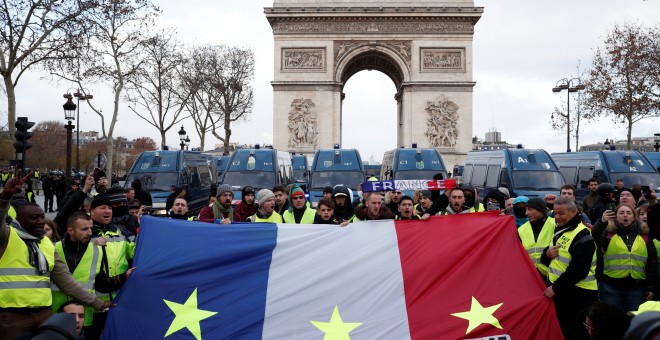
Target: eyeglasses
column 298, row 198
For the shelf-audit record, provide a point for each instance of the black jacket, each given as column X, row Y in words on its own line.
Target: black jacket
column 581, row 249
column 597, row 210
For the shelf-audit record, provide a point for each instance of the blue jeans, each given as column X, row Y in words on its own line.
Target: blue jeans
column 627, row 298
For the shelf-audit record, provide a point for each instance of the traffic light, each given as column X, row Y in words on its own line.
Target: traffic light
column 22, row 134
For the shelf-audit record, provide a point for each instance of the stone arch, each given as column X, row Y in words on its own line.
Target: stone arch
column 375, row 57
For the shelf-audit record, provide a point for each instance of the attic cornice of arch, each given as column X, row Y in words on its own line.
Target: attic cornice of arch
column 309, row 10
column 471, row 19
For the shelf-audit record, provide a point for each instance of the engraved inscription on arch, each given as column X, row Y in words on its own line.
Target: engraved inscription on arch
column 303, row 59
column 442, row 59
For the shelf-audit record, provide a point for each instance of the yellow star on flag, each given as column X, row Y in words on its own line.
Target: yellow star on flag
column 336, row 329
column 478, row 315
column 187, row 315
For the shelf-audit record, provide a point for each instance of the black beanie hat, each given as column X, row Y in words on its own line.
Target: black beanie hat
column 100, row 200
column 538, row 204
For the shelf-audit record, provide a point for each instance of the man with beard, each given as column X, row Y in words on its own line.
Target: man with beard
column 456, row 203
column 299, row 211
column 117, row 249
column 425, row 204
column 83, row 260
column 342, row 199
column 590, row 199
column 571, row 265
column 281, row 199
column 246, row 207
column 393, row 205
column 373, row 209
column 25, row 300
column 265, row 208
column 221, row 211
column 141, row 195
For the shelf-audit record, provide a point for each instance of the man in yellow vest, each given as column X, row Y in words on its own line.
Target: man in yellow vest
column 571, row 265
column 536, row 234
column 265, row 208
column 28, row 265
column 83, row 260
column 299, row 211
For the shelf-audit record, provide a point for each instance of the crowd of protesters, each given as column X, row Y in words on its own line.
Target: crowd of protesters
column 598, row 259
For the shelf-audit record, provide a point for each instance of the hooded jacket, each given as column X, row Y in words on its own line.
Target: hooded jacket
column 383, row 214
column 497, row 195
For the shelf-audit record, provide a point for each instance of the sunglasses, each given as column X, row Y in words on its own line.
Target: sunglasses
column 298, row 198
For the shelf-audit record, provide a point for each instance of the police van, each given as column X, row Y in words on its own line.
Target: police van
column 654, row 158
column 332, row 167
column 258, row 168
column 528, row 172
column 159, row 170
column 372, row 170
column 300, row 166
column 221, row 164
column 606, row 166
column 410, row 164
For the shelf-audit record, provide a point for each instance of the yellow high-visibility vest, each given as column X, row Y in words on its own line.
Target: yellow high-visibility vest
column 85, row 273
column 535, row 248
column 619, row 263
column 559, row 264
column 307, row 218
column 274, row 218
column 21, row 285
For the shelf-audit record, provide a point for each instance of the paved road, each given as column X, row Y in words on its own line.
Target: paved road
column 40, row 200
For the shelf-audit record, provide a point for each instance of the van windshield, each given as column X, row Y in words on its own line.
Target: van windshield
column 630, row 179
column 256, row 179
column 156, row 162
column 349, row 179
column 299, row 175
column 538, row 180
column 419, row 174
column 161, row 181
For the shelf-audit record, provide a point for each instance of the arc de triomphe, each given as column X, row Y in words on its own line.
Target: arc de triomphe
column 424, row 46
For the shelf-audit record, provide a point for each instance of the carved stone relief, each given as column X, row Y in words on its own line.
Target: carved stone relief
column 442, row 130
column 442, row 60
column 302, row 124
column 389, row 26
column 401, row 47
column 303, row 59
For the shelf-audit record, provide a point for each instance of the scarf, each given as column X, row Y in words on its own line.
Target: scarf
column 219, row 210
column 36, row 257
column 261, row 214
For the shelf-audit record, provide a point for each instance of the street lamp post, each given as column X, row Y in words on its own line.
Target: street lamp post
column 69, row 110
column 571, row 85
column 79, row 94
column 182, row 137
column 656, row 140
column 187, row 141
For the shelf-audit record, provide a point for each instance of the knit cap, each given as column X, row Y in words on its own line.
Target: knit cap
column 100, row 200
column 425, row 193
column 538, row 204
column 223, row 188
column 264, row 195
column 296, row 191
column 116, row 195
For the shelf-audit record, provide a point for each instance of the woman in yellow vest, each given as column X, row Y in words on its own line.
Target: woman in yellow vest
column 536, row 234
column 627, row 259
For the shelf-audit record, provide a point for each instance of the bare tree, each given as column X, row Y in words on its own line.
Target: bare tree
column 153, row 92
column 48, row 144
column 111, row 55
column 621, row 83
column 195, row 75
column 34, row 31
column 231, row 79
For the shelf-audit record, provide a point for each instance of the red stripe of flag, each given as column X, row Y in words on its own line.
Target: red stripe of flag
column 472, row 256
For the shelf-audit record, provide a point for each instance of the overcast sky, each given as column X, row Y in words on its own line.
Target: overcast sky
column 521, row 48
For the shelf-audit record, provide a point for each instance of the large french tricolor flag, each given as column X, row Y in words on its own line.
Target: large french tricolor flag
column 452, row 277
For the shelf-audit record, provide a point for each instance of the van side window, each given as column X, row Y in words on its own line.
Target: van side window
column 569, row 173
column 478, row 175
column 584, row 174
column 202, row 170
column 493, row 174
column 504, row 179
column 467, row 173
